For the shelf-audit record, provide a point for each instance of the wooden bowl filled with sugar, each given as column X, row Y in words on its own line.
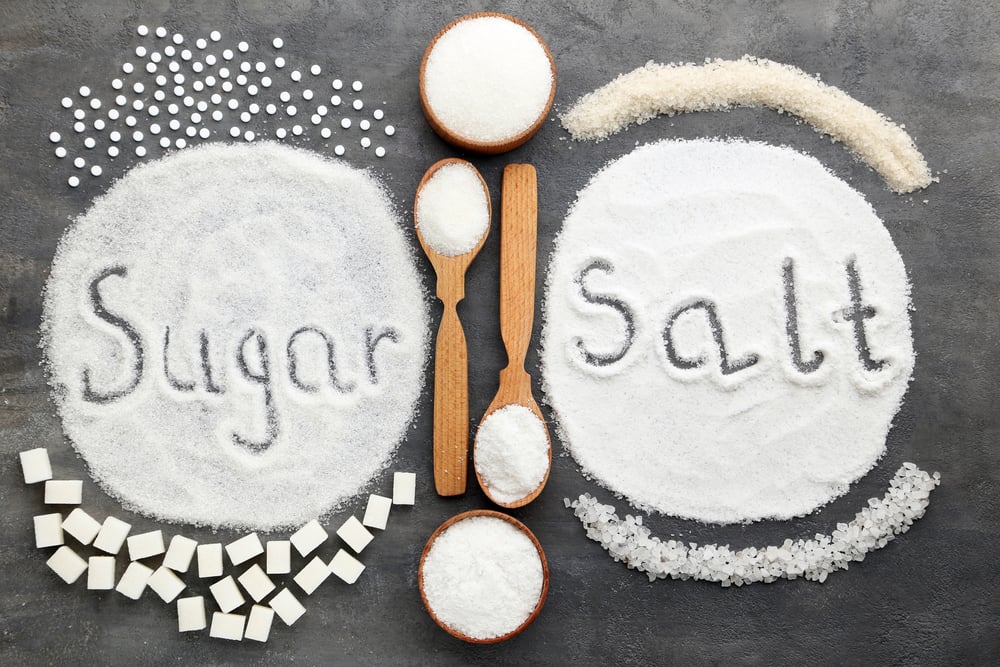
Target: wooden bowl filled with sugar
column 487, row 82
column 483, row 576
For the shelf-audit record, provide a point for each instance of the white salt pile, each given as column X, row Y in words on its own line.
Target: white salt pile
column 236, row 335
column 656, row 89
column 511, row 453
column 873, row 527
column 727, row 333
column 488, row 78
column 482, row 577
column 453, row 210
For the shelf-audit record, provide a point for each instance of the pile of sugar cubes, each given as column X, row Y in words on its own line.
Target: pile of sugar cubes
column 228, row 592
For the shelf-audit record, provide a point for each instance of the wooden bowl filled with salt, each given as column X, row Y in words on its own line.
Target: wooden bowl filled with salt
column 483, row 576
column 487, row 82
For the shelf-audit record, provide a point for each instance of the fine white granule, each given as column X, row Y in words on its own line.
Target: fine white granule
column 482, row 577
column 656, row 89
column 512, row 453
column 488, row 79
column 235, row 335
column 872, row 528
column 453, row 213
column 727, row 332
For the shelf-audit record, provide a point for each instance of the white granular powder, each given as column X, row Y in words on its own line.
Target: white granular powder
column 453, row 213
column 482, row 577
column 236, row 335
column 727, row 333
column 656, row 89
column 488, row 79
column 512, row 453
column 872, row 528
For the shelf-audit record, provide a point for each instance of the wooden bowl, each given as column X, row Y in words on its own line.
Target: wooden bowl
column 541, row 555
column 485, row 147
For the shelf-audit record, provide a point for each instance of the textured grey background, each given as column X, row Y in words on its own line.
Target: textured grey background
column 928, row 598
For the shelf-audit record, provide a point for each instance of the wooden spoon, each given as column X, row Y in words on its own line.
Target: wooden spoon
column 518, row 239
column 451, row 359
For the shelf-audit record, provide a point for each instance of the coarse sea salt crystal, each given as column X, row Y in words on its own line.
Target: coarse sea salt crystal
column 81, row 526
column 404, row 487
column 227, row 594
column 287, row 606
column 346, row 567
column 101, row 573
column 48, row 530
column 307, row 538
column 209, row 560
column 191, row 614
column 166, row 584
column 67, row 564
column 145, row 545
column 227, row 626
column 63, row 492
column 180, row 553
column 112, row 535
column 354, row 534
column 134, row 581
column 312, row 575
column 259, row 623
column 279, row 557
column 244, row 549
column 35, row 465
column 256, row 583
column 377, row 512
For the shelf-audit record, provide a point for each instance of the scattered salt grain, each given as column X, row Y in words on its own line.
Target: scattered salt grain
column 452, row 209
column 511, row 453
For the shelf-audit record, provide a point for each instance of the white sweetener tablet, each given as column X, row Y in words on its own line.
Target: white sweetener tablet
column 279, row 557
column 256, row 583
column 377, row 512
column 244, row 549
column 101, row 573
column 307, row 538
column 287, row 606
column 166, row 584
column 67, row 564
column 346, row 566
column 48, row 530
column 354, row 534
column 209, row 560
column 112, row 535
column 134, row 581
column 63, row 492
column 191, row 614
column 180, row 553
column 35, row 465
column 83, row 527
column 227, row 594
column 312, row 575
column 227, row 626
column 259, row 623
column 404, row 488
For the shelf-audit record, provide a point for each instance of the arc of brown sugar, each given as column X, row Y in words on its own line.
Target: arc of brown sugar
column 655, row 89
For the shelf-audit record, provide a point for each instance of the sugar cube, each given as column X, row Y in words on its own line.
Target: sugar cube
column 259, row 623
column 279, row 557
column 312, row 575
column 112, row 535
column 227, row 626
column 101, row 573
column 377, row 512
column 82, row 526
column 287, row 606
column 255, row 582
column 67, row 564
column 179, row 553
column 48, row 530
column 191, row 614
column 354, row 534
column 63, row 492
column 346, row 566
column 308, row 537
column 134, row 581
column 35, row 465
column 145, row 545
column 244, row 549
column 227, row 594
column 209, row 560
column 166, row 584
column 404, row 488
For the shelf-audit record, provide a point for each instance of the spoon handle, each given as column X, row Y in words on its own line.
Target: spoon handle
column 451, row 405
column 518, row 238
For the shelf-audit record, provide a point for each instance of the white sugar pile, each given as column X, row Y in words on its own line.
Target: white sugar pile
column 873, row 527
column 236, row 335
column 452, row 211
column 482, row 577
column 656, row 89
column 727, row 335
column 512, row 453
column 488, row 79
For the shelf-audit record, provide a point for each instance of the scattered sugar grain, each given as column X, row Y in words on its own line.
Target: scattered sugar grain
column 67, row 564
column 134, row 580
column 511, row 453
column 48, row 530
column 191, row 614
column 81, row 526
column 452, row 209
column 101, row 573
column 35, row 465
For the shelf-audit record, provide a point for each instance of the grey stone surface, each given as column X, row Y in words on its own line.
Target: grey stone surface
column 928, row 598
